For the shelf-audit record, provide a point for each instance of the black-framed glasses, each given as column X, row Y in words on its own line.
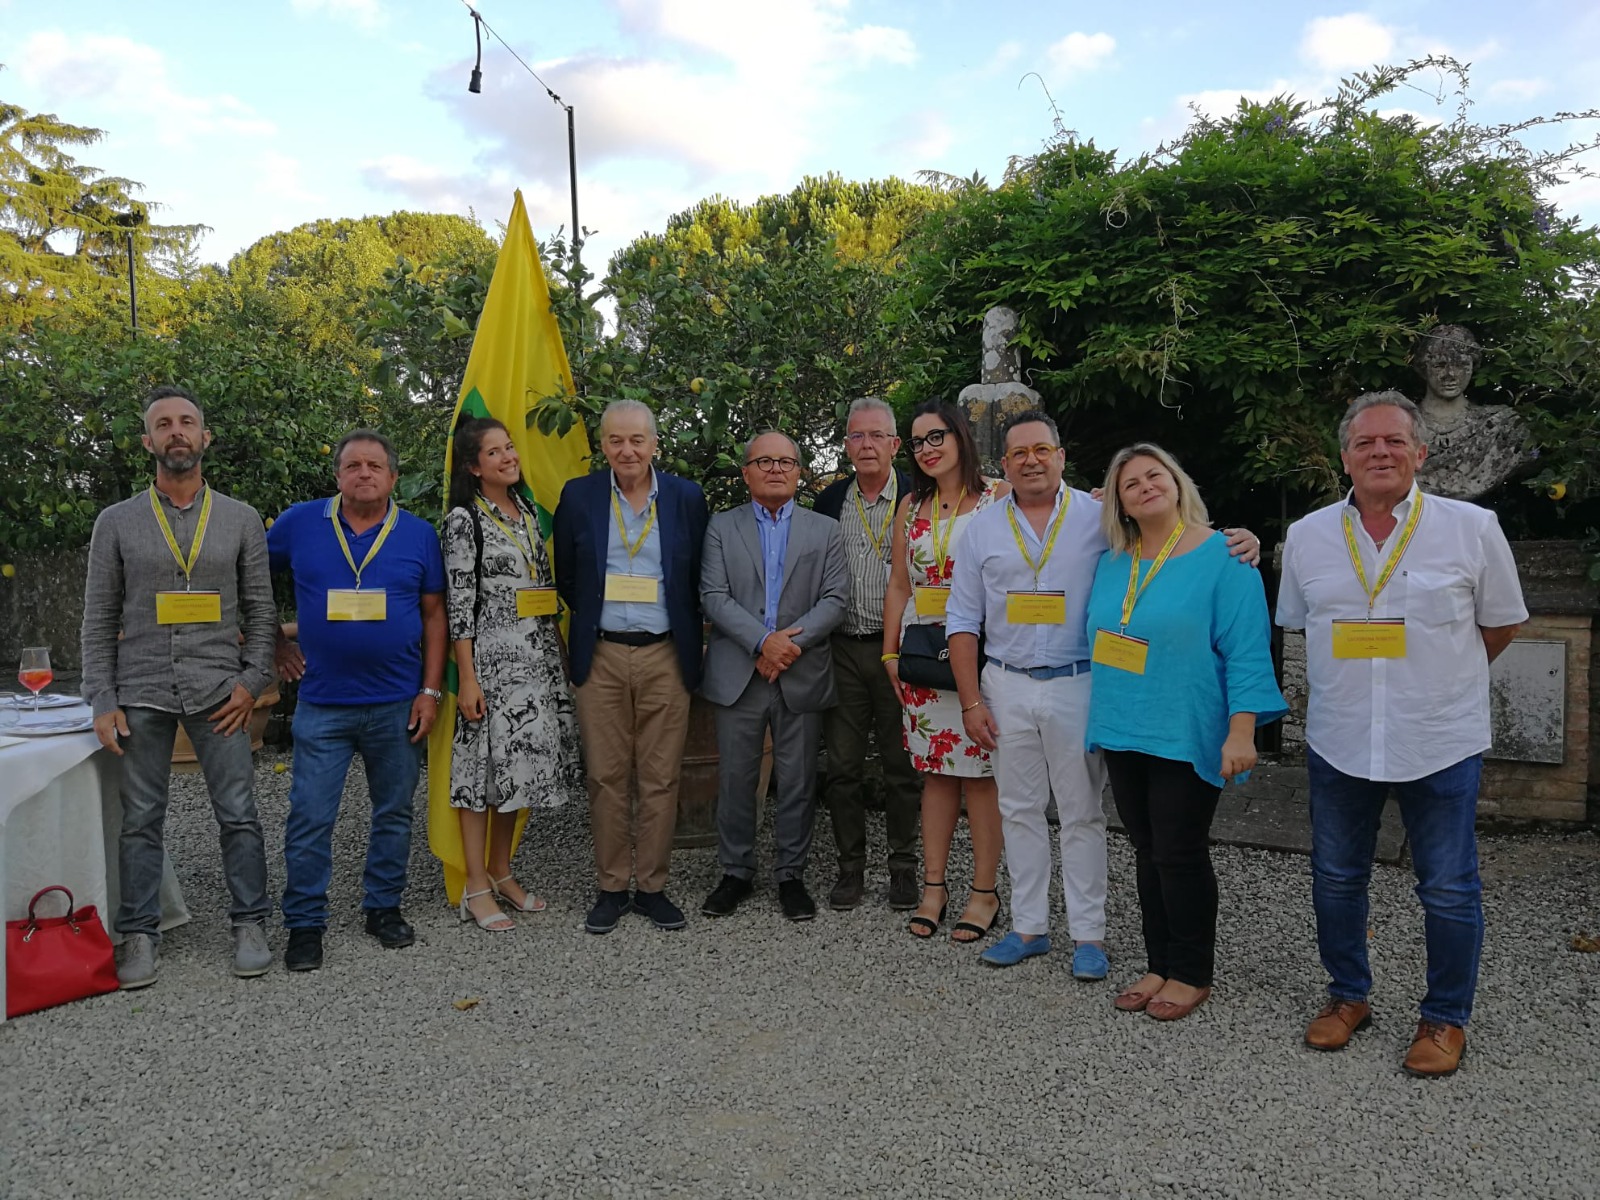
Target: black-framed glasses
column 767, row 463
column 935, row 438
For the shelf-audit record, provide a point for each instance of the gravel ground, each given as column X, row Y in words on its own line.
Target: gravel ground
column 838, row 1058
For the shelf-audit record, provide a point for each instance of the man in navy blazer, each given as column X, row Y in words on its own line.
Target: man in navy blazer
column 628, row 543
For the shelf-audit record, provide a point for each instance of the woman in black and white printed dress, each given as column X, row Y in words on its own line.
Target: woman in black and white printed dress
column 516, row 737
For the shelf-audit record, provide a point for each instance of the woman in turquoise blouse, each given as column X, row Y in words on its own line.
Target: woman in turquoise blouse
column 1182, row 676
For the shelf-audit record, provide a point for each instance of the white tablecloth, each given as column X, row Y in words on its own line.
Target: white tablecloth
column 60, row 815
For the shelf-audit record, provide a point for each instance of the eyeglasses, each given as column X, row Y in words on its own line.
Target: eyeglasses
column 934, row 439
column 877, row 436
column 768, row 463
column 1022, row 454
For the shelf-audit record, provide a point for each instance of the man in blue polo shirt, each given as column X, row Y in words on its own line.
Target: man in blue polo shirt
column 369, row 593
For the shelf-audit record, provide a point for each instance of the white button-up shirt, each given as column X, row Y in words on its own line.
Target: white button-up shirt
column 989, row 565
column 1399, row 719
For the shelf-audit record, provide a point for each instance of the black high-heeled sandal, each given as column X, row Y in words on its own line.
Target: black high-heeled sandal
column 919, row 926
column 978, row 932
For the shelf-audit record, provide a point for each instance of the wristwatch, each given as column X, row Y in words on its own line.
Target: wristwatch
column 432, row 693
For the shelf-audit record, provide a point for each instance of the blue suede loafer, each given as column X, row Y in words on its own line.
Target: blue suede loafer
column 1089, row 962
column 1011, row 949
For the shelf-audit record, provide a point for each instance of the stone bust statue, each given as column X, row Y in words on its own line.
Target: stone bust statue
column 1472, row 448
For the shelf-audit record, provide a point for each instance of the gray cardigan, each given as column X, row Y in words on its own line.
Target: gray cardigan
column 177, row 668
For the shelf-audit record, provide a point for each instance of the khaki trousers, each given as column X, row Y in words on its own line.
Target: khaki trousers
column 633, row 716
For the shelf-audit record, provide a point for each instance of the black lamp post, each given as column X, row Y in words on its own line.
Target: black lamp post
column 475, row 85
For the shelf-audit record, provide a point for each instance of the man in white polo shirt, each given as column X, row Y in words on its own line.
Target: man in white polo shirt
column 1405, row 599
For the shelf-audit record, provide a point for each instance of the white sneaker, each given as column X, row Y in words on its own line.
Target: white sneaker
column 138, row 967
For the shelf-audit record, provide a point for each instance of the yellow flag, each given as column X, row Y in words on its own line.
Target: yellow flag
column 517, row 360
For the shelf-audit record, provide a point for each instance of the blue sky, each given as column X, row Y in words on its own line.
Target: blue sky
column 253, row 116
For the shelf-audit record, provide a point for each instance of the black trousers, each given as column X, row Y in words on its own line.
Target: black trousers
column 1167, row 810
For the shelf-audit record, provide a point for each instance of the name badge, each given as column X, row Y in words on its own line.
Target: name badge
column 188, row 608
column 633, row 589
column 536, row 602
column 348, row 604
column 1369, row 639
column 932, row 601
column 1120, row 651
column 1036, row 608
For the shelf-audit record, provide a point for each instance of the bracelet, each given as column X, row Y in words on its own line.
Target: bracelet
column 972, row 706
column 887, row 658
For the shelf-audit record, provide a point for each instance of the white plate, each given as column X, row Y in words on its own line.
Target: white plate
column 49, row 728
column 20, row 700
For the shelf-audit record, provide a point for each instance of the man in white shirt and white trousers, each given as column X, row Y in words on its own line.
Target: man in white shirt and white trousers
column 1405, row 599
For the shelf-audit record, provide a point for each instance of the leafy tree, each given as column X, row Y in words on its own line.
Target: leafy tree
column 70, row 420
column 314, row 281
column 1228, row 295
column 739, row 318
column 64, row 225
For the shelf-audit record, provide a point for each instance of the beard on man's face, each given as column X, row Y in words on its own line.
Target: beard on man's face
column 181, row 458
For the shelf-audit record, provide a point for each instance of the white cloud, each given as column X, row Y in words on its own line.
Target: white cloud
column 1224, row 102
column 918, row 142
column 1578, row 198
column 1517, row 89
column 807, row 33
column 1005, row 55
column 1354, row 41
column 282, row 179
column 1079, row 52
column 428, row 187
column 365, row 14
column 131, row 78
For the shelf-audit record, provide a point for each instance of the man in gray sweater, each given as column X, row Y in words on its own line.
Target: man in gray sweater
column 179, row 628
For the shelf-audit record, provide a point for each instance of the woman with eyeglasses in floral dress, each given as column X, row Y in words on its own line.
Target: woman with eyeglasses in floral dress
column 947, row 488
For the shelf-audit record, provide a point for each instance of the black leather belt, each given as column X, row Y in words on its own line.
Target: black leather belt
column 863, row 637
column 634, row 639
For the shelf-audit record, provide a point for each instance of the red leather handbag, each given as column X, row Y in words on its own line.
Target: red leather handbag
column 54, row 960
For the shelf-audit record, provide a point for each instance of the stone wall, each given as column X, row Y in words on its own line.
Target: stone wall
column 1551, row 791
column 42, row 605
column 1563, row 604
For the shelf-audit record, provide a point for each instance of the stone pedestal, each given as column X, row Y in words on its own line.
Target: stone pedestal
column 1532, row 725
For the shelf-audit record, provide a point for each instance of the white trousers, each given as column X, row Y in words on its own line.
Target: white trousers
column 1042, row 723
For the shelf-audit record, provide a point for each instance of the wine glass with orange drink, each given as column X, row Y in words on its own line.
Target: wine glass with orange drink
column 34, row 671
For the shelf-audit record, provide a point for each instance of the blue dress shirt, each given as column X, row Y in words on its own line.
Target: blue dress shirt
column 619, row 616
column 774, row 531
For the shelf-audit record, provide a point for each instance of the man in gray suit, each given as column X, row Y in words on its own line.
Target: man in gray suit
column 774, row 584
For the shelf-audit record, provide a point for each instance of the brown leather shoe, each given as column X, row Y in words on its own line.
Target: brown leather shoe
column 1436, row 1050
column 1332, row 1027
column 848, row 891
column 1168, row 1010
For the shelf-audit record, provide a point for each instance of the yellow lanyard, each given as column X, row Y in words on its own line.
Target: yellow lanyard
column 1135, row 588
column 632, row 548
column 878, row 538
column 172, row 542
column 1050, row 542
column 344, row 544
column 942, row 552
column 1394, row 555
column 527, row 555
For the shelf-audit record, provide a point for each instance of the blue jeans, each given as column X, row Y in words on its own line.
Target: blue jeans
column 326, row 738
column 1440, row 813
column 229, row 775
